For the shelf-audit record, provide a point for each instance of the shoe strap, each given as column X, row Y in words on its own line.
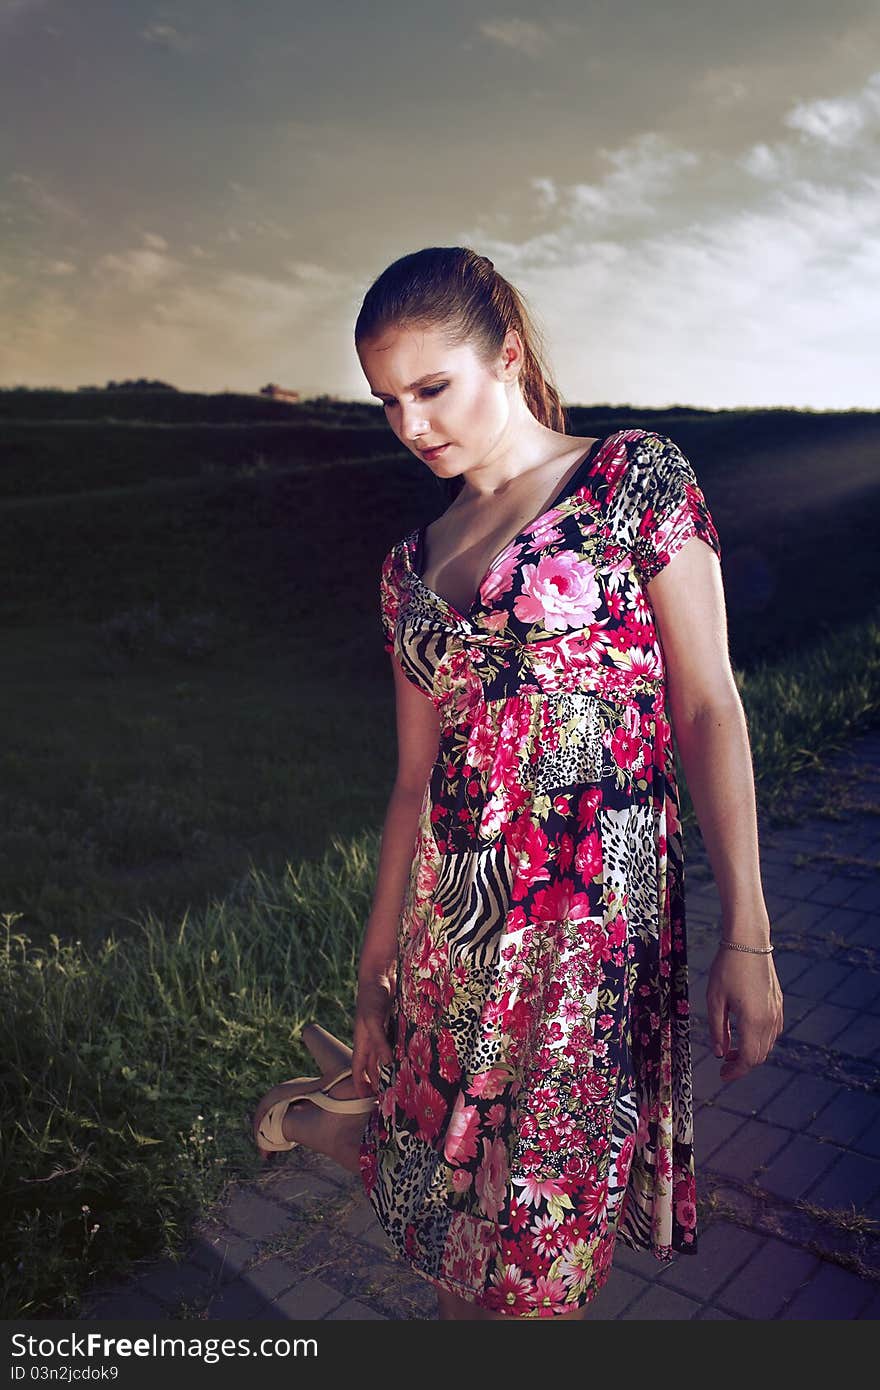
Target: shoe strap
column 341, row 1077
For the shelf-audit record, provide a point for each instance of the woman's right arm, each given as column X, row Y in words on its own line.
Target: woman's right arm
column 418, row 737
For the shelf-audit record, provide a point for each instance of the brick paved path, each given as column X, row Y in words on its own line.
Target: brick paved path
column 788, row 1158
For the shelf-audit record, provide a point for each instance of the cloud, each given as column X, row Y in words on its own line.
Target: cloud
column 140, row 269
column 762, row 162
column 11, row 10
column 519, row 34
column 754, row 280
column 838, row 122
column 643, row 174
column 59, row 268
column 42, row 200
column 187, row 324
column 165, row 36
column 548, row 194
column 724, row 87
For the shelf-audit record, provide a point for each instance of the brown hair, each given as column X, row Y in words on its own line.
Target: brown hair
column 460, row 292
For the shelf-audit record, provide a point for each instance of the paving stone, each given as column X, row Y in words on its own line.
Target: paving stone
column 808, row 882
column 352, row 1311
column 834, row 891
column 715, row 1314
column 853, row 1180
column 224, row 1253
column 780, row 902
column 662, row 1305
column 832, row 1294
column 802, row 1098
column 852, row 925
column 790, row 965
column 768, row 1280
column 869, row 1141
column 749, row 1095
column 706, row 1078
column 861, row 1038
column 722, row 1250
column 819, row 979
column 307, row 1192
column 815, row 920
column 704, row 892
column 795, row 1007
column 271, row 1277
column 866, row 897
column 867, row 934
column 702, row 954
column 254, row 1216
column 822, row 1025
column 309, row 1299
column 639, row 1262
column 237, row 1299
column 859, row 990
column 712, row 1127
column 797, row 1167
column 374, row 1235
column 754, row 1145
column 621, row 1289
column 173, row 1282
column 872, row 1310
column 697, row 1000
column 776, row 874
column 847, row 1116
column 358, row 1219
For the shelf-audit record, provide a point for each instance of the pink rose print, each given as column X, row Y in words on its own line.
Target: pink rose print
column 461, row 1133
column 560, row 592
column 491, row 1178
column 486, row 1085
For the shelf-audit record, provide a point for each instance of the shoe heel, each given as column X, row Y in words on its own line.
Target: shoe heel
column 329, row 1052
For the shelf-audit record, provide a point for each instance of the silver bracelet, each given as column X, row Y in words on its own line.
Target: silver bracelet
column 755, row 950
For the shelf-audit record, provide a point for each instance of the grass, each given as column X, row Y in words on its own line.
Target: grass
column 132, row 1064
column 199, row 736
column 130, row 1069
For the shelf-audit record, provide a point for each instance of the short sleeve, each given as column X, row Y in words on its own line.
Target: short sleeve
column 389, row 598
column 661, row 505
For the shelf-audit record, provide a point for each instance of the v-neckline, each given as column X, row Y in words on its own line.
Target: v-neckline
column 414, row 540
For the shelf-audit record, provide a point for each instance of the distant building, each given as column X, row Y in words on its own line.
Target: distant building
column 278, row 393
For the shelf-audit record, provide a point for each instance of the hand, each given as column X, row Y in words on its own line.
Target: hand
column 746, row 985
column 371, row 1047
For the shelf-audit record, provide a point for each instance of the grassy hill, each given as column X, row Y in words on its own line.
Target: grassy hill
column 194, row 671
column 198, row 748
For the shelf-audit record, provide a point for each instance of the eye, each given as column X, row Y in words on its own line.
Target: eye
column 426, row 391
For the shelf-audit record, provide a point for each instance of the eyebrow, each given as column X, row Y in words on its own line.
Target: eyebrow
column 413, row 384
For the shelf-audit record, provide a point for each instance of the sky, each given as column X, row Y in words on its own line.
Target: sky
column 686, row 194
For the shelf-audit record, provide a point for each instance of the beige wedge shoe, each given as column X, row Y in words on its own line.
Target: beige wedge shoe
column 270, row 1135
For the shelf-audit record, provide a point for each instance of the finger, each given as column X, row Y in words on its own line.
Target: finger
column 360, row 1071
column 741, row 1059
column 715, row 1010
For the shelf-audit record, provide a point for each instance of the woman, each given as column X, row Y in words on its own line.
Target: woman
column 522, row 1014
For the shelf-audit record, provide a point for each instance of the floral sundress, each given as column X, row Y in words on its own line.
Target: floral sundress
column 539, row 1104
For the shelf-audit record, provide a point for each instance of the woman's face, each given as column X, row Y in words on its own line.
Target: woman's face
column 434, row 395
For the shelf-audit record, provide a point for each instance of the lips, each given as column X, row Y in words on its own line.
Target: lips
column 433, row 453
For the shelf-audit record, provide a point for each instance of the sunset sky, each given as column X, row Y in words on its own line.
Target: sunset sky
column 687, row 194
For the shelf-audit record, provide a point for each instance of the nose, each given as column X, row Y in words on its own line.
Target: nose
column 413, row 425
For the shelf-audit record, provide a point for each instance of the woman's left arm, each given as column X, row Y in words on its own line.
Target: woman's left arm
column 711, row 734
